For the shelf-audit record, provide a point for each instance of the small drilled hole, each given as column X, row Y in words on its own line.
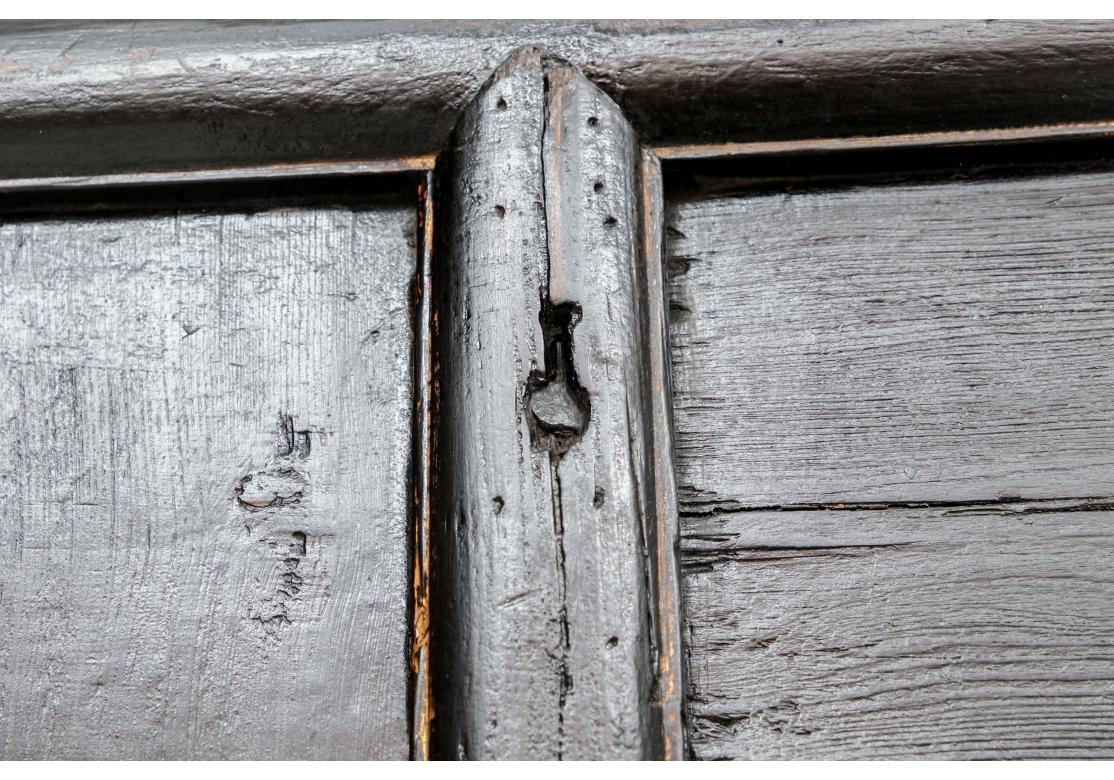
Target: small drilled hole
column 613, row 641
column 610, row 221
column 597, row 499
column 593, row 121
column 500, row 212
column 501, row 104
column 497, row 504
column 598, row 186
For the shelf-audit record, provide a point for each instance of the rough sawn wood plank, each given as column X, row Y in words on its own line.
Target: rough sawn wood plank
column 959, row 632
column 920, row 342
column 203, row 544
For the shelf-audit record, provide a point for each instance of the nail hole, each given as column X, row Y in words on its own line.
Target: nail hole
column 613, row 641
column 593, row 121
column 299, row 545
column 501, row 105
column 598, row 187
column 610, row 221
column 497, row 504
column 597, row 499
column 500, row 212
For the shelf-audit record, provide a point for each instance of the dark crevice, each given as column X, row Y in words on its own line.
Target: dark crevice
column 358, row 191
column 703, row 561
column 292, row 443
column 554, row 424
column 807, row 170
column 565, row 678
column 560, row 408
column 696, row 509
column 298, row 545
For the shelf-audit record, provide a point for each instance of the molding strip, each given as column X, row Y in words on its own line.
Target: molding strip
column 667, row 596
column 1065, row 133
column 421, row 705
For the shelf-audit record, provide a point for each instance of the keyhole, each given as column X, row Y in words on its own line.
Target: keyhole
column 559, row 406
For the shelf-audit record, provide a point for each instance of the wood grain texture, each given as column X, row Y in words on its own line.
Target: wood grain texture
column 203, row 548
column 169, row 95
column 960, row 632
column 495, row 599
column 543, row 522
column 666, row 536
column 942, row 341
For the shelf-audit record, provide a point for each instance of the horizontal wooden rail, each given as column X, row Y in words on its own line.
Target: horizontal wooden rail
column 93, row 99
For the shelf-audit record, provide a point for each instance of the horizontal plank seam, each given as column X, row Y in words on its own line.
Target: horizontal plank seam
column 1083, row 504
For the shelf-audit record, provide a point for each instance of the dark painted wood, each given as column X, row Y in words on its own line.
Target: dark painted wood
column 956, row 632
column 543, row 614
column 203, row 507
column 112, row 97
column 934, row 341
column 917, row 353
column 910, row 356
column 667, row 599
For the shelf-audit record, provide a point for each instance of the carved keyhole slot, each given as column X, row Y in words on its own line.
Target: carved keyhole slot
column 559, row 406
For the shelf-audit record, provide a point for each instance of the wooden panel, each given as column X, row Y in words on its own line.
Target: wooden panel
column 918, row 342
column 203, row 487
column 172, row 95
column 961, row 632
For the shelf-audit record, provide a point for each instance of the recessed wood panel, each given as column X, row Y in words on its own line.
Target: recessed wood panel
column 203, row 490
column 938, row 341
column 894, row 453
column 962, row 632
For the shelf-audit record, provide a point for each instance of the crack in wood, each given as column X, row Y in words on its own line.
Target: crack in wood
column 698, row 509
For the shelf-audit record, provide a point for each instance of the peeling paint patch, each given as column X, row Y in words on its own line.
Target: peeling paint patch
column 60, row 65
column 12, row 68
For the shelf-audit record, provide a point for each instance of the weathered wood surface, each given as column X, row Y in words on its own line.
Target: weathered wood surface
column 667, row 598
column 931, row 342
column 960, row 632
column 911, row 357
column 543, row 511
column 203, row 492
column 109, row 97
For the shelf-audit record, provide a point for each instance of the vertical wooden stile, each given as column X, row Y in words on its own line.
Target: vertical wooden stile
column 553, row 607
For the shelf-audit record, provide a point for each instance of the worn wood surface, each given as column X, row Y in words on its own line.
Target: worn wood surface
column 912, row 358
column 83, row 98
column 931, row 342
column 203, row 546
column 211, row 415
column 543, row 525
column 666, row 532
column 958, row 632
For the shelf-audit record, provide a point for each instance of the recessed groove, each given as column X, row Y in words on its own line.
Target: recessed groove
column 304, row 170
column 979, row 137
column 1076, row 504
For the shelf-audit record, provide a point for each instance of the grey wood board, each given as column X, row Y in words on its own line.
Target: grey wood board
column 950, row 632
column 540, row 621
column 204, row 492
column 942, row 341
column 170, row 95
column 495, row 590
